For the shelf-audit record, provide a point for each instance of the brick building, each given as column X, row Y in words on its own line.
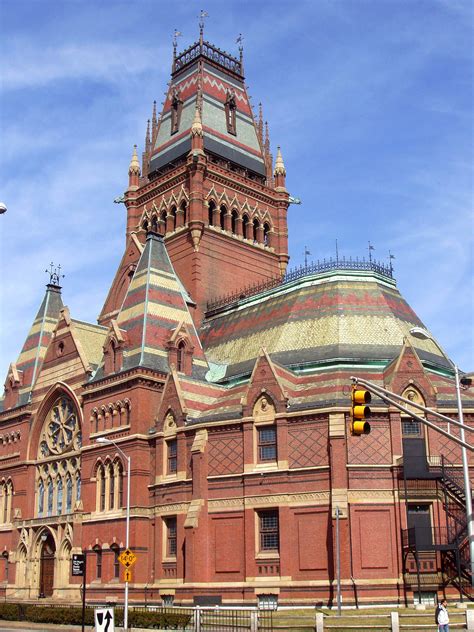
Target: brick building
column 226, row 380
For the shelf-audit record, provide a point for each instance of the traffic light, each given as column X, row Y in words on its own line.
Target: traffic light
column 360, row 412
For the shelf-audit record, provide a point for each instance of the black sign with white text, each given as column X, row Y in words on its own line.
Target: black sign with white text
column 78, row 564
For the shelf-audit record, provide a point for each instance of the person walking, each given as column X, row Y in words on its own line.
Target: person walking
column 442, row 616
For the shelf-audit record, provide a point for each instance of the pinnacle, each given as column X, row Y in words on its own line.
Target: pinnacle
column 196, row 128
column 134, row 167
column 279, row 164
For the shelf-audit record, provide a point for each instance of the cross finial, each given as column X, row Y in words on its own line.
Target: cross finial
column 370, row 248
column 54, row 274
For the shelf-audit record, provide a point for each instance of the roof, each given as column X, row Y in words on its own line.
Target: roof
column 153, row 310
column 342, row 316
column 206, row 74
column 36, row 344
column 91, row 338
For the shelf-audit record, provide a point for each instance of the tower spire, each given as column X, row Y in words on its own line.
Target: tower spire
column 260, row 124
column 154, row 124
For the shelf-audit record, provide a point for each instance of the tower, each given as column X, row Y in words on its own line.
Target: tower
column 206, row 183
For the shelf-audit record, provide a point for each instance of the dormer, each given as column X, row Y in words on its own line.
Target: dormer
column 181, row 350
column 13, row 384
column 114, row 345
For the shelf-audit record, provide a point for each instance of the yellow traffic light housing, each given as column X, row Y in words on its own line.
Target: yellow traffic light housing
column 360, row 411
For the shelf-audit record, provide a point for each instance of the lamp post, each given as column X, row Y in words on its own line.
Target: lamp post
column 422, row 334
column 106, row 441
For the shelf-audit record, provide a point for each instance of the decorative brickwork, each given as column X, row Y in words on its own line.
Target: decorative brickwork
column 378, row 450
column 226, row 454
column 307, row 443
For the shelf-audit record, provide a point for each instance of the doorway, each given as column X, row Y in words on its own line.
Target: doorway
column 48, row 550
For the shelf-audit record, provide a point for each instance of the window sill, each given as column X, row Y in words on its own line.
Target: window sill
column 267, row 555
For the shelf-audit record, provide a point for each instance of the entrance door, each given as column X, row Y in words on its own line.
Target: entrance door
column 47, row 567
column 419, row 518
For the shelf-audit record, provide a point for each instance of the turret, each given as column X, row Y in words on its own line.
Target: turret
column 134, row 171
column 280, row 172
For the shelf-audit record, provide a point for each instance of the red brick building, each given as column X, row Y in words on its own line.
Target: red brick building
column 226, row 380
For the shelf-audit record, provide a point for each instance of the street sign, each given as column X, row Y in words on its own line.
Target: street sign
column 127, row 558
column 104, row 620
column 127, row 575
column 78, row 564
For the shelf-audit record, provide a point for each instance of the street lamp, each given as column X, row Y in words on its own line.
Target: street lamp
column 422, row 334
column 106, row 441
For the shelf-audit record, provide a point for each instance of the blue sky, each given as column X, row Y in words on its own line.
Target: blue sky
column 370, row 100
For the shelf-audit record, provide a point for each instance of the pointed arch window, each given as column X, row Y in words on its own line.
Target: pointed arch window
column 222, row 214
column 212, row 208
column 233, row 219
column 98, row 558
column 184, row 210
column 120, row 484
column 101, row 476
column 41, row 497
column 60, row 496
column 181, row 356
column 78, row 486
column 68, row 494
column 246, row 226
column 266, row 234
column 255, row 227
column 111, row 486
column 50, row 497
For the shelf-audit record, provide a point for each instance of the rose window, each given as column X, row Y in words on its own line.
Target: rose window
column 61, row 431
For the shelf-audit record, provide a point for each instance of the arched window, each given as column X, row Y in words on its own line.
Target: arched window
column 78, row 486
column 245, row 222
column 116, row 552
column 212, row 207
column 255, row 226
column 234, row 217
column 176, row 109
column 180, row 357
column 50, row 497
column 111, row 486
column 185, row 211
column 266, row 235
column 101, row 482
column 68, row 494
column 40, row 497
column 162, row 229
column 98, row 560
column 60, row 496
column 5, row 558
column 173, row 215
column 5, row 503
column 222, row 214
column 120, row 484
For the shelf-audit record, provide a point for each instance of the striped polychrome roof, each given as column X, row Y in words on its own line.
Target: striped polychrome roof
column 153, row 308
column 36, row 344
column 340, row 316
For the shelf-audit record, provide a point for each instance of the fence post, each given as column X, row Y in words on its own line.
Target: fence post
column 470, row 619
column 395, row 622
column 254, row 621
column 197, row 619
column 319, row 622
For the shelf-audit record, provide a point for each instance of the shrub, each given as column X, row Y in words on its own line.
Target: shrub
column 158, row 620
column 9, row 611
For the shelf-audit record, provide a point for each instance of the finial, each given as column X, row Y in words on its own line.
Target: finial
column 370, row 248
column 175, row 41
column 390, row 259
column 239, row 41
column 279, row 164
column 267, row 138
column 147, row 136
column 134, row 167
column 260, row 124
column 203, row 14
column 54, row 274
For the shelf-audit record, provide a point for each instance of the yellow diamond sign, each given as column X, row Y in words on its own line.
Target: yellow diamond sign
column 127, row 558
